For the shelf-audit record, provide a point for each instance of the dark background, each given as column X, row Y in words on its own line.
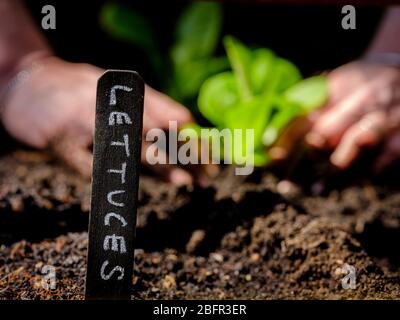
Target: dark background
column 309, row 35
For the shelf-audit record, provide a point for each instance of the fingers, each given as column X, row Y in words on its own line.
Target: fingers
column 159, row 109
column 390, row 154
column 329, row 128
column 156, row 160
column 365, row 133
column 344, row 80
column 73, row 150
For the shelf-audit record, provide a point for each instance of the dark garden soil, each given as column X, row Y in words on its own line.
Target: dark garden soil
column 242, row 237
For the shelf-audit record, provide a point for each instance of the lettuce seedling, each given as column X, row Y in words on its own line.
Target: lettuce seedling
column 262, row 92
column 191, row 58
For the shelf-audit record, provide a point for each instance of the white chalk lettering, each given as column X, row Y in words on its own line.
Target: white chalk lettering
column 114, row 243
column 115, row 269
column 116, row 216
column 122, row 172
column 113, row 96
column 110, row 198
column 118, row 118
column 123, row 144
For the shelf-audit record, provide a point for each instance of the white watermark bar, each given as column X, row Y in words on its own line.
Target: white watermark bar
column 204, row 146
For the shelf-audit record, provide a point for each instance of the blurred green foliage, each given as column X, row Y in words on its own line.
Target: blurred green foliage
column 191, row 58
column 261, row 91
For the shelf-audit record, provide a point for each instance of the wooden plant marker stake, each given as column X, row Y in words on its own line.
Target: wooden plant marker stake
column 117, row 146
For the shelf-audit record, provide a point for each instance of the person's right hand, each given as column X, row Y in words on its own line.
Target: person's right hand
column 363, row 110
column 55, row 108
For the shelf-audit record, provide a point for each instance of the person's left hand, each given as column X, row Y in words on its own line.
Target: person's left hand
column 363, row 110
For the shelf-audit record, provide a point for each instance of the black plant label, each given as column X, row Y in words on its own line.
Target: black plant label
column 117, row 146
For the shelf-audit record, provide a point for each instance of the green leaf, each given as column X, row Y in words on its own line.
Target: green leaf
column 217, row 97
column 250, row 114
column 190, row 75
column 125, row 24
column 284, row 115
column 261, row 70
column 240, row 58
column 309, row 94
column 263, row 93
column 197, row 32
column 287, row 74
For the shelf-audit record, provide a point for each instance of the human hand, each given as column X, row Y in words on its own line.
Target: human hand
column 363, row 110
column 55, row 108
